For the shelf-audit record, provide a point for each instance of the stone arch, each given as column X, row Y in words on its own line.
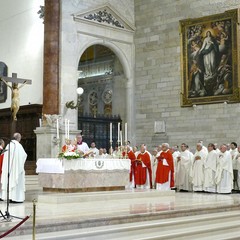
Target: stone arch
column 118, row 51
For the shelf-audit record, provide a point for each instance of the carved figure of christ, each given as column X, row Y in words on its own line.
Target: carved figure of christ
column 15, row 91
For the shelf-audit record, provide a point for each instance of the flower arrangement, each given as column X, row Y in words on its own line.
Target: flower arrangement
column 69, row 155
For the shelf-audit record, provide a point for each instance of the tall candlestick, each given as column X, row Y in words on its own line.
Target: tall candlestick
column 126, row 135
column 57, row 129
column 110, row 132
column 118, row 132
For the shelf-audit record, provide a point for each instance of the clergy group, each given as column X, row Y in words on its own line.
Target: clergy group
column 207, row 169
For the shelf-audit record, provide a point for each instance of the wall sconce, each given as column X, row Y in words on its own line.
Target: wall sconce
column 71, row 104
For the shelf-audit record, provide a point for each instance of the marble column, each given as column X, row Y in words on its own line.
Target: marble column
column 51, row 57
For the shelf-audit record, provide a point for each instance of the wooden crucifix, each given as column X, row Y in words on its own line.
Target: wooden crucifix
column 15, row 91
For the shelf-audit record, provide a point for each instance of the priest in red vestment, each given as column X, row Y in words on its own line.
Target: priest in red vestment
column 132, row 157
column 143, row 170
column 2, row 145
column 165, row 169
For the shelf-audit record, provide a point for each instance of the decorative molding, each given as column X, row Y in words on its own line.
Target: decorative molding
column 105, row 15
column 41, row 12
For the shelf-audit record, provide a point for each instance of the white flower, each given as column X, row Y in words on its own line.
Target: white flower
column 70, row 154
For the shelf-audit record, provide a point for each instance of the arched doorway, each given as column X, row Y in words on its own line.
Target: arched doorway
column 101, row 75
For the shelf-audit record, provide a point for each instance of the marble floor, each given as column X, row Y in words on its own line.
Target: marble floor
column 63, row 212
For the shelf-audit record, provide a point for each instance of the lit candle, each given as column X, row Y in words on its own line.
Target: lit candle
column 110, row 132
column 118, row 133
column 57, row 129
column 126, row 135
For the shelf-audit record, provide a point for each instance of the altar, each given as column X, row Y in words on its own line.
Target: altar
column 82, row 175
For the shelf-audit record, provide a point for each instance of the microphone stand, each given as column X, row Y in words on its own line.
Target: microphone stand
column 7, row 215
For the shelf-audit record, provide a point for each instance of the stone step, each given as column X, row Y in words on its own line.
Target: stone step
column 102, row 196
column 223, row 225
column 32, row 187
column 30, row 168
column 31, row 182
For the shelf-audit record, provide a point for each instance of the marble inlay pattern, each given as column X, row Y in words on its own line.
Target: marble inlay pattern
column 84, row 179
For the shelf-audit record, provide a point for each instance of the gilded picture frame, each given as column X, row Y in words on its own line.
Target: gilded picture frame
column 209, row 59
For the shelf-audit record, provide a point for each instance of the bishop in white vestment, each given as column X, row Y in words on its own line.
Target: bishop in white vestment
column 197, row 169
column 16, row 156
column 224, row 174
column 183, row 166
column 210, row 167
column 234, row 153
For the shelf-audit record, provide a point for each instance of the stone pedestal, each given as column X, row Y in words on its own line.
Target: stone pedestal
column 48, row 146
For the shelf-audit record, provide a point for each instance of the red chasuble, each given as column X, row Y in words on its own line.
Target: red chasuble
column 140, row 172
column 1, row 162
column 163, row 171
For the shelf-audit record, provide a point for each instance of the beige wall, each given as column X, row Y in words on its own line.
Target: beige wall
column 158, row 77
column 21, row 47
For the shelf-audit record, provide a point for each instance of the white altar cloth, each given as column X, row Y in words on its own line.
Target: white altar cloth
column 55, row 165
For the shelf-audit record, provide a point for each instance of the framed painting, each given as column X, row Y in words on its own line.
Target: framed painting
column 209, row 59
column 3, row 86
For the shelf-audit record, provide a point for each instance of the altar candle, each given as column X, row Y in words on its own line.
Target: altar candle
column 65, row 128
column 57, row 129
column 118, row 132
column 40, row 122
column 121, row 138
column 110, row 132
column 68, row 129
column 126, row 135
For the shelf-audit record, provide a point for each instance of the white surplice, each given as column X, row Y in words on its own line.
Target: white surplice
column 183, row 166
column 234, row 154
column 224, row 173
column 154, row 163
column 175, row 155
column 210, row 167
column 83, row 147
column 16, row 157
